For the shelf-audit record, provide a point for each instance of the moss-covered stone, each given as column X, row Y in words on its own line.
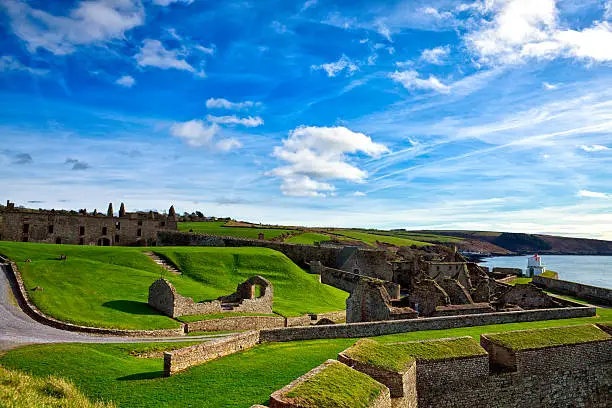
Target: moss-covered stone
column 550, row 337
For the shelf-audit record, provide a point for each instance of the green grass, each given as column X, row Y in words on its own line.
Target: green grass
column 431, row 238
column 308, row 238
column 336, row 386
column 549, row 337
column 108, row 286
column 549, row 274
column 371, row 239
column 109, row 372
column 218, row 228
column 397, row 356
column 196, row 318
column 520, row 281
column 19, row 390
column 220, row 270
column 380, row 355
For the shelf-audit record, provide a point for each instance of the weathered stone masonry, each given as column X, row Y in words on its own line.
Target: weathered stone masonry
column 579, row 290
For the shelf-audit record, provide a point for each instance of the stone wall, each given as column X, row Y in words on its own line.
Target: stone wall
column 84, row 229
column 369, row 301
column 236, row 323
column 457, row 294
column 579, row 290
column 507, row 271
column 178, row 360
column 347, row 281
column 31, row 310
column 528, row 296
column 453, row 270
column 370, row 329
column 366, row 262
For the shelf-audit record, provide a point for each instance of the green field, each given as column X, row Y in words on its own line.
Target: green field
column 217, row 228
column 432, row 238
column 110, row 372
column 308, row 238
column 108, row 286
column 371, row 239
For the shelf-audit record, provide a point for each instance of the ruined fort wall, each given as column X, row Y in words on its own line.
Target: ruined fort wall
column 561, row 376
column 579, row 290
column 236, row 323
column 175, row 361
column 370, row 329
column 347, row 281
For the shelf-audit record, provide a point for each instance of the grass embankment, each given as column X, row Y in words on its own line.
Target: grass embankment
column 108, row 371
column 524, row 280
column 308, row 238
column 219, row 228
column 397, row 356
column 336, row 386
column 108, row 286
column 219, row 270
column 549, row 337
column 416, row 236
column 371, row 239
column 19, row 390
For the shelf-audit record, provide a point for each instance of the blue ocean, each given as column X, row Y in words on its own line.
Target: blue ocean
column 590, row 270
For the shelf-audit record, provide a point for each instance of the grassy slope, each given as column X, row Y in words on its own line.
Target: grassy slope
column 108, row 286
column 371, row 239
column 221, row 269
column 217, row 228
column 18, row 390
column 237, row 381
column 308, row 238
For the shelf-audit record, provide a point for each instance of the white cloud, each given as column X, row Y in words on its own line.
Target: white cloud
column 318, row 153
column 279, row 27
column 308, row 4
column 234, row 120
column 514, row 31
column 436, row 56
column 549, row 86
column 228, row 144
column 411, row 80
column 165, row 3
column 154, row 54
column 90, row 22
column 594, row 148
column 333, row 68
column 593, row 194
column 221, row 103
column 126, row 81
column 359, row 194
column 9, row 63
column 195, row 132
column 304, row 186
column 206, row 50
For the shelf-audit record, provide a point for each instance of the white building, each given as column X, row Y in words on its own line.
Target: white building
column 535, row 266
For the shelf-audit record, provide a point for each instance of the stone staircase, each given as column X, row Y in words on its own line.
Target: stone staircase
column 163, row 263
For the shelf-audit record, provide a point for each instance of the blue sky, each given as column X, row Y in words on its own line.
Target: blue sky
column 491, row 115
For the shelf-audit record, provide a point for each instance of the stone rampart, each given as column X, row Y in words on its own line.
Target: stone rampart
column 579, row 290
column 507, row 271
column 311, row 319
column 236, row 323
column 348, row 281
column 31, row 310
column 366, row 262
column 178, row 360
column 370, row 329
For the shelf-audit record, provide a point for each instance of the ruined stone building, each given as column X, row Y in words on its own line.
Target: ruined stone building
column 83, row 228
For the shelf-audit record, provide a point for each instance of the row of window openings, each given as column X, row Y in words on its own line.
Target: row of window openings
column 26, row 229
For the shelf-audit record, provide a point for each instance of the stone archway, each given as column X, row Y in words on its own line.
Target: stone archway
column 104, row 242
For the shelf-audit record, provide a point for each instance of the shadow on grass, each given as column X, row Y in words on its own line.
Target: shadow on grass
column 131, row 306
column 142, row 376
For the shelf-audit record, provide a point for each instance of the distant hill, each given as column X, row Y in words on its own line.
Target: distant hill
column 520, row 243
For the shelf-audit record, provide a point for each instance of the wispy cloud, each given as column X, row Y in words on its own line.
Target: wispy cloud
column 593, row 194
column 77, row 164
column 344, row 64
column 9, row 63
column 154, row 54
column 251, row 121
column 411, row 80
column 594, row 148
column 126, row 81
column 436, row 56
column 221, row 103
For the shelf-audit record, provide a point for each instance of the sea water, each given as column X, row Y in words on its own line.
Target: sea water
column 590, row 270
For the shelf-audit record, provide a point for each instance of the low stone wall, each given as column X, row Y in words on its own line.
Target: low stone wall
column 311, row 319
column 178, row 360
column 236, row 323
column 31, row 310
column 593, row 293
column 370, row 329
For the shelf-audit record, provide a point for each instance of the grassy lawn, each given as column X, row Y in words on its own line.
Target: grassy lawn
column 371, row 239
column 110, row 372
column 218, row 228
column 308, row 238
column 432, row 238
column 108, row 286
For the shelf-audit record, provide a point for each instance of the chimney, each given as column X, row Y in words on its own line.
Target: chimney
column 122, row 210
column 110, row 210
